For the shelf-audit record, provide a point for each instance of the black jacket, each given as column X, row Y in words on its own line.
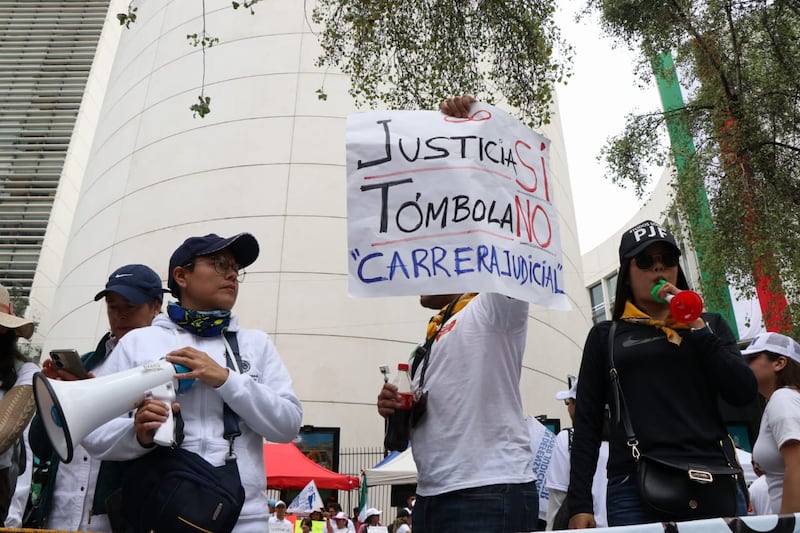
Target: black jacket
column 670, row 392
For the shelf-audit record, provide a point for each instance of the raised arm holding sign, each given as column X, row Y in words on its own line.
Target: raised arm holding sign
column 469, row 438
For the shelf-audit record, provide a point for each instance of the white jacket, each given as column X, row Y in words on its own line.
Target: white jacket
column 262, row 397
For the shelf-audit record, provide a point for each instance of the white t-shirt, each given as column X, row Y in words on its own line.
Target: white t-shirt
column 780, row 423
column 403, row 528
column 558, row 476
column 276, row 525
column 474, row 433
column 759, row 496
column 24, row 377
column 349, row 528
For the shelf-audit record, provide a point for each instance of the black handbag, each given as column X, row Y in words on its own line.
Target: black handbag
column 686, row 490
column 179, row 491
column 172, row 490
column 674, row 490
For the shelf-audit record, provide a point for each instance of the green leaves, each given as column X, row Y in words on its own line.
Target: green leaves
column 738, row 59
column 245, row 4
column 126, row 19
column 201, row 108
column 206, row 41
column 410, row 54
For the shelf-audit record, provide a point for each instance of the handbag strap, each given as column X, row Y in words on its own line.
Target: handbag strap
column 229, row 418
column 620, row 407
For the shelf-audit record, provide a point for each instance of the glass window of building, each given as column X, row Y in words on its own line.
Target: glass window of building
column 598, row 303
column 611, row 288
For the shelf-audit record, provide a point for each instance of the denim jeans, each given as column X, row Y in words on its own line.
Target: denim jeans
column 624, row 507
column 490, row 509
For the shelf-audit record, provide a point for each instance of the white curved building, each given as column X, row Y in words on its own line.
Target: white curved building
column 269, row 159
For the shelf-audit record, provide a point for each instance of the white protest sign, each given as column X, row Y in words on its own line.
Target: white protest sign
column 440, row 205
column 306, row 500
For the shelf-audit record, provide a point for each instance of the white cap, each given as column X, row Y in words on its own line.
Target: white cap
column 280, row 503
column 571, row 393
column 340, row 516
column 371, row 512
column 774, row 343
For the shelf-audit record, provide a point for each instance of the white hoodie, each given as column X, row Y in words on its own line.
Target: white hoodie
column 262, row 397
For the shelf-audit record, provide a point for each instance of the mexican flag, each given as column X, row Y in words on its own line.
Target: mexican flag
column 363, row 502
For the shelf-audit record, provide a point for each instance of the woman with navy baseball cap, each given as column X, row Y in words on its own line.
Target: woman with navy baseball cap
column 204, row 275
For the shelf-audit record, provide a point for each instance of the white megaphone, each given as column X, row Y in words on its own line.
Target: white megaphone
column 71, row 410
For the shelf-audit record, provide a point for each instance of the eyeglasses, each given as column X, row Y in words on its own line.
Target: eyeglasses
column 222, row 265
column 646, row 261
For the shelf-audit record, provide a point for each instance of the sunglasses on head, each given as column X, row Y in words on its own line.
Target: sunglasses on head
column 645, row 261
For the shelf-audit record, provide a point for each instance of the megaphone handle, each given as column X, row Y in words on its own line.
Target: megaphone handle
column 165, row 434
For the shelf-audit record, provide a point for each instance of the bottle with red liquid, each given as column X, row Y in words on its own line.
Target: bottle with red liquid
column 398, row 430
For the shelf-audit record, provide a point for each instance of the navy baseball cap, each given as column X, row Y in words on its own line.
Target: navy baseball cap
column 243, row 246
column 137, row 283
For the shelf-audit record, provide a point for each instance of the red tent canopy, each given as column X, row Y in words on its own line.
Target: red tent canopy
column 288, row 468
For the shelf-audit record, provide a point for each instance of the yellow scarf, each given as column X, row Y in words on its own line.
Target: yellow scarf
column 634, row 315
column 436, row 321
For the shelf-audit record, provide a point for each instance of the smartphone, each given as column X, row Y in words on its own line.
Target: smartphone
column 70, row 361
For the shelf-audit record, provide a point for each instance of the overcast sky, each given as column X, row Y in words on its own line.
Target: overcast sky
column 593, row 105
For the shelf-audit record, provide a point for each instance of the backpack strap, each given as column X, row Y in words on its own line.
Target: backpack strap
column 229, row 417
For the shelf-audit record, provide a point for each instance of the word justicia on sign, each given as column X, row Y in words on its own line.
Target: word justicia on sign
column 468, row 147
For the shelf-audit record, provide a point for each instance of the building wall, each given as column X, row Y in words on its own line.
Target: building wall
column 269, row 159
column 53, row 246
column 46, row 52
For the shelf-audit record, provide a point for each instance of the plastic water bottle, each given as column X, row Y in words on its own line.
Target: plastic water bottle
column 398, row 430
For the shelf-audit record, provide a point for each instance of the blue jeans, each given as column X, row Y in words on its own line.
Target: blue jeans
column 490, row 509
column 624, row 508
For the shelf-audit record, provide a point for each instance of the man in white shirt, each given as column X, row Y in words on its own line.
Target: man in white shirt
column 280, row 515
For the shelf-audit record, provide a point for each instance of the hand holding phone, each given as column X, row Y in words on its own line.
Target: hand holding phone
column 70, row 361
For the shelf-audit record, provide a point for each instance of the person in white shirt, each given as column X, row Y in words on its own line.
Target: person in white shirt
column 340, row 523
column 557, row 479
column 372, row 517
column 204, row 275
column 280, row 514
column 69, row 499
column 472, row 441
column 759, row 496
column 402, row 523
column 775, row 361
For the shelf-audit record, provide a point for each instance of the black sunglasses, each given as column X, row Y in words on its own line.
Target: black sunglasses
column 645, row 261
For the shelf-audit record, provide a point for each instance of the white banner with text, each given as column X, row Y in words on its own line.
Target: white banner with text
column 442, row 205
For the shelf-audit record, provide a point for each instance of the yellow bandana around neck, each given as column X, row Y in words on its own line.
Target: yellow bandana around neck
column 436, row 321
column 634, row 315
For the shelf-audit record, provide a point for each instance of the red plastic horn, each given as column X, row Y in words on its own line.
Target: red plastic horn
column 685, row 306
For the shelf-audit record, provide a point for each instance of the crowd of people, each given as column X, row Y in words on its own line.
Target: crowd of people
column 644, row 405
